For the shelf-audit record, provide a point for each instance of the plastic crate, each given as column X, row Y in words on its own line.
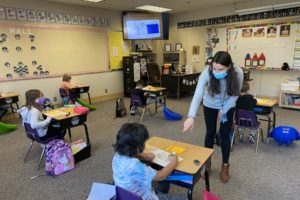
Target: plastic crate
column 83, row 153
column 290, row 87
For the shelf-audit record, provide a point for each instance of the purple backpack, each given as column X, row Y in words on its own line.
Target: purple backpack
column 59, row 157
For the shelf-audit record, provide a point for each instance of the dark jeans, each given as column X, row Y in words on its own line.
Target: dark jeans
column 211, row 116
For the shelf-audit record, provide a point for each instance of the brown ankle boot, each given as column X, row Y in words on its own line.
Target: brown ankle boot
column 224, row 175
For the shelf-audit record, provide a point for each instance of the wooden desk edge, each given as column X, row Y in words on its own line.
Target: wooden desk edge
column 192, row 169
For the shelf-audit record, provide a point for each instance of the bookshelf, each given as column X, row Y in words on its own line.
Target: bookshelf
column 289, row 99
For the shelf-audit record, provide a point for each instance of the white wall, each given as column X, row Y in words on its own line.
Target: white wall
column 112, row 81
column 265, row 83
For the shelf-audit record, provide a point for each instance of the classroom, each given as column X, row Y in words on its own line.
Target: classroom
column 109, row 99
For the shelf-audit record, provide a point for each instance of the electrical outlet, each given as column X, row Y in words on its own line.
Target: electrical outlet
column 55, row 99
column 106, row 90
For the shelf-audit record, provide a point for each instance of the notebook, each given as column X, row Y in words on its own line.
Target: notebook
column 162, row 157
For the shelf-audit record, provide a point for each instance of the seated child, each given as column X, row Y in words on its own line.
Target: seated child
column 246, row 102
column 31, row 114
column 66, row 85
column 129, row 172
column 138, row 90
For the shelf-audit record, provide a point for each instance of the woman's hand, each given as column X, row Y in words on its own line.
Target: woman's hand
column 188, row 124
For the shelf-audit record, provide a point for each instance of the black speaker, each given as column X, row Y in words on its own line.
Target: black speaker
column 165, row 24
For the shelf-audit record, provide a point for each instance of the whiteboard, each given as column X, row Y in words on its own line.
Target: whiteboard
column 277, row 47
column 56, row 49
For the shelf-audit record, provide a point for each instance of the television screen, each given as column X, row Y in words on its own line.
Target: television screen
column 139, row 26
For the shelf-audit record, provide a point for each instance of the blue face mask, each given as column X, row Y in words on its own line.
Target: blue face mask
column 219, row 75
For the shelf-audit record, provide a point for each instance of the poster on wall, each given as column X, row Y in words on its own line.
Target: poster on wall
column 88, row 20
column 21, row 15
column 50, row 17
column 81, row 20
column 285, row 30
column 271, row 31
column 11, row 13
column 259, row 32
column 41, row 16
column 74, row 19
column 31, row 15
column 2, row 13
column 67, row 19
column 247, row 32
column 59, row 18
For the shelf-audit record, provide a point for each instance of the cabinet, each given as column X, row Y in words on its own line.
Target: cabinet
column 132, row 74
column 176, row 58
column 289, row 99
column 128, row 75
column 177, row 84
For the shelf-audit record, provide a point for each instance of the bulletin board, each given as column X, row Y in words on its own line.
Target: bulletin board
column 118, row 47
column 275, row 41
column 36, row 50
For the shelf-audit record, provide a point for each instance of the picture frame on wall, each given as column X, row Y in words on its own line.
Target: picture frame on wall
column 11, row 13
column 178, row 46
column 2, row 13
column 168, row 47
column 21, row 15
column 31, row 15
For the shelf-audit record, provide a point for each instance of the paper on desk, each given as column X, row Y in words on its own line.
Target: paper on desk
column 161, row 156
column 55, row 113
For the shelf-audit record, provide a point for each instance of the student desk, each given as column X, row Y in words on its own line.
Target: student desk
column 67, row 119
column 177, row 84
column 191, row 153
column 79, row 89
column 157, row 92
column 266, row 107
column 9, row 98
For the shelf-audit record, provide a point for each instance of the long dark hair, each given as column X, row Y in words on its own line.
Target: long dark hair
column 232, row 83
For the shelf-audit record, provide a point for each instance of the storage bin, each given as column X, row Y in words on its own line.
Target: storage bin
column 83, row 153
column 290, row 87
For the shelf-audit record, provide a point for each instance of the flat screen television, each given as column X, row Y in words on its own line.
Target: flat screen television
column 143, row 26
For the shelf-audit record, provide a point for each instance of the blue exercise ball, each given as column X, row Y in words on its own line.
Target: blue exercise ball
column 170, row 115
column 285, row 134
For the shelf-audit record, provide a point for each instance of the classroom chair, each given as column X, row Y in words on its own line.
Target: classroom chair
column 34, row 137
column 153, row 74
column 136, row 102
column 247, row 119
column 122, row 194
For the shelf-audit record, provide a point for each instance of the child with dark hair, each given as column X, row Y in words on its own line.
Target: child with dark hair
column 138, row 90
column 31, row 114
column 129, row 172
column 246, row 101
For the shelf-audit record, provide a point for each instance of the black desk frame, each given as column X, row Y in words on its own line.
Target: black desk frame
column 196, row 178
column 10, row 101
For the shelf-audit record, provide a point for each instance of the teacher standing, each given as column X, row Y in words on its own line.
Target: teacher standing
column 219, row 86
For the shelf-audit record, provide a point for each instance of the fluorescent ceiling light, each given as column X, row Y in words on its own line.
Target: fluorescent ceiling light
column 254, row 10
column 267, row 8
column 95, row 1
column 286, row 5
column 153, row 8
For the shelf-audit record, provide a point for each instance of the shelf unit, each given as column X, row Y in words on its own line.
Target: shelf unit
column 287, row 99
